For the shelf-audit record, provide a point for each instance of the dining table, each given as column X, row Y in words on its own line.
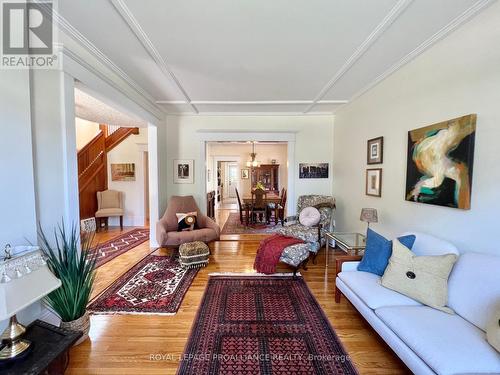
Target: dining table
column 271, row 197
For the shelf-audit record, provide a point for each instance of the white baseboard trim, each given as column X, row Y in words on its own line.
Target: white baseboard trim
column 128, row 221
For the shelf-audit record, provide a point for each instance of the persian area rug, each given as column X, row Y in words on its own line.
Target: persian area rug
column 156, row 285
column 234, row 226
column 262, row 325
column 116, row 246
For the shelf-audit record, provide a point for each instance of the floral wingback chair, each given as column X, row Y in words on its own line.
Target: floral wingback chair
column 313, row 236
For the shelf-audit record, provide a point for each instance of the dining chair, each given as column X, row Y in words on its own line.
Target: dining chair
column 259, row 206
column 272, row 206
column 244, row 209
column 279, row 213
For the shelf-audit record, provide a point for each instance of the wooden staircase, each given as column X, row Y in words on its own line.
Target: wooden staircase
column 92, row 165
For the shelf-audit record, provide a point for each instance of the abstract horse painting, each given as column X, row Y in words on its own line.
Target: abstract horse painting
column 440, row 161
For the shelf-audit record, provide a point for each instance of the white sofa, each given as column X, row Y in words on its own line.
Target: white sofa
column 427, row 340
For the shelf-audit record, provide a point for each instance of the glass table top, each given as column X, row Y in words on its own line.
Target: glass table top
column 349, row 240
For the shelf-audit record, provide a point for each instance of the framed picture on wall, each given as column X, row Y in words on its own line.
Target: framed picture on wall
column 184, row 171
column 375, row 151
column 374, row 182
column 245, row 174
column 123, row 172
column 440, row 161
column 313, row 170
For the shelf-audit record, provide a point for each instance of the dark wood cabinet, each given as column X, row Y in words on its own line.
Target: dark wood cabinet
column 268, row 175
column 49, row 354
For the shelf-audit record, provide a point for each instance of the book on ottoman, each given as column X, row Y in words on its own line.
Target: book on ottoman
column 194, row 254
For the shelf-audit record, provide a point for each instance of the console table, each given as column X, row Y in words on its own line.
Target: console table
column 49, row 353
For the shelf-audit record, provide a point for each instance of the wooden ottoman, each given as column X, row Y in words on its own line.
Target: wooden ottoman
column 194, row 254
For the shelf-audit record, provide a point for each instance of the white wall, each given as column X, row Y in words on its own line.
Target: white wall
column 458, row 76
column 18, row 221
column 54, row 148
column 313, row 143
column 85, row 132
column 39, row 175
column 265, row 153
column 131, row 150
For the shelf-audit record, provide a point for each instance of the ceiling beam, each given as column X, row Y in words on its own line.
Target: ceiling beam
column 440, row 34
column 394, row 13
column 249, row 102
column 148, row 45
column 85, row 43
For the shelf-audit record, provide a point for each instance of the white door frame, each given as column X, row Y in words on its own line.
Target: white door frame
column 218, row 135
column 218, row 158
column 228, row 165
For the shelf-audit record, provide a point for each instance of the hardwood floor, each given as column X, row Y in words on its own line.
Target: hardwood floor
column 125, row 344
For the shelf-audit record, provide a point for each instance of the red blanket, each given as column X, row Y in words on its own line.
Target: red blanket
column 269, row 252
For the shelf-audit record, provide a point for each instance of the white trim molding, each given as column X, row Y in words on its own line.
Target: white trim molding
column 447, row 29
column 223, row 135
column 148, row 45
column 67, row 30
column 394, row 13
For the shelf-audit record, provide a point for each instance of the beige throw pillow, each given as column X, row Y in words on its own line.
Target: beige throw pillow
column 423, row 278
column 493, row 329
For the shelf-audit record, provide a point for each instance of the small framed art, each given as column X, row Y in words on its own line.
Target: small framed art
column 183, row 171
column 313, row 170
column 245, row 174
column 123, row 172
column 375, row 151
column 374, row 182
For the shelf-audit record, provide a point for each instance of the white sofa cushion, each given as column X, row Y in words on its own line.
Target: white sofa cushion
column 425, row 244
column 447, row 343
column 474, row 287
column 367, row 287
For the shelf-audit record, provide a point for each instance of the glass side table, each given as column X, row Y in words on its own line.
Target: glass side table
column 349, row 242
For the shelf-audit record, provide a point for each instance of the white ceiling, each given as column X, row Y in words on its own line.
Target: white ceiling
column 261, row 56
column 89, row 108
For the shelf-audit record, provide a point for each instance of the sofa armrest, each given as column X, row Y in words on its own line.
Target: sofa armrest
column 349, row 266
column 206, row 222
column 161, row 233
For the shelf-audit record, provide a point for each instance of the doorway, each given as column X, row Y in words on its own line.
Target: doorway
column 232, row 179
column 145, row 160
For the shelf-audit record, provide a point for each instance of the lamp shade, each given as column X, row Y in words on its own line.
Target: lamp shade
column 369, row 215
column 24, row 280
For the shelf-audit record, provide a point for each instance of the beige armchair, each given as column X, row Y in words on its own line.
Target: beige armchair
column 166, row 228
column 109, row 204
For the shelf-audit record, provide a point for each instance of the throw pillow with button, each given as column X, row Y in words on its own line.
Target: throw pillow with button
column 423, row 278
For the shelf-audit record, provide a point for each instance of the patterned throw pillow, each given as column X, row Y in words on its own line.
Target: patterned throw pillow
column 186, row 221
column 423, row 278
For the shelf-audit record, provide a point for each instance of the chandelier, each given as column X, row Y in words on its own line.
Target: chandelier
column 253, row 162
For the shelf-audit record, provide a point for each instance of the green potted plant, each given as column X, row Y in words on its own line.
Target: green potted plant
column 71, row 261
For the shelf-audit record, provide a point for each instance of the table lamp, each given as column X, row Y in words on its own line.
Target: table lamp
column 369, row 215
column 24, row 279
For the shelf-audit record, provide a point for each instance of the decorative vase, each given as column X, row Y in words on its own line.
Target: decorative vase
column 81, row 324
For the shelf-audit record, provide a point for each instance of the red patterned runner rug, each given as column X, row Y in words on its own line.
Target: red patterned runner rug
column 116, row 246
column 156, row 285
column 234, row 226
column 262, row 325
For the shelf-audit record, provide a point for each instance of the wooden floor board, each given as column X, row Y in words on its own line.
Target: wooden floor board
column 149, row 344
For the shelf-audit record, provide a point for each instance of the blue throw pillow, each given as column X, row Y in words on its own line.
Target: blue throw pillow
column 378, row 251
